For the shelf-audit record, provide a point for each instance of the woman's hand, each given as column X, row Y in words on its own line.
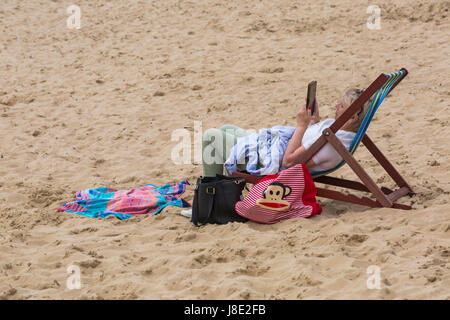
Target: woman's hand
column 303, row 117
column 315, row 117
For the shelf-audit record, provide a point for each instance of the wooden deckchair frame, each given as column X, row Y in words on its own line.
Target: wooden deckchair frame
column 384, row 196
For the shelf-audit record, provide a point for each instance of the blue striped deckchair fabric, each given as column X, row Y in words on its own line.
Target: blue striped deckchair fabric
column 378, row 98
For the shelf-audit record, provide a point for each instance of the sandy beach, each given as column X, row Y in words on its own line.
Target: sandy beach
column 97, row 106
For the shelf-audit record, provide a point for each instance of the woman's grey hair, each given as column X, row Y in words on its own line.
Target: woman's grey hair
column 351, row 95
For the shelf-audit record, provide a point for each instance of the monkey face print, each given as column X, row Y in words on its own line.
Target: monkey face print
column 273, row 197
column 276, row 197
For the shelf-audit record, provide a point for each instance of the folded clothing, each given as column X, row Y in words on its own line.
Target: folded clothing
column 124, row 204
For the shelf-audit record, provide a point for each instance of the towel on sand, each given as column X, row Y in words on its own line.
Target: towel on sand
column 124, row 204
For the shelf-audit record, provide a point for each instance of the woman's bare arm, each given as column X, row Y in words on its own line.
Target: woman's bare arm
column 295, row 149
column 293, row 159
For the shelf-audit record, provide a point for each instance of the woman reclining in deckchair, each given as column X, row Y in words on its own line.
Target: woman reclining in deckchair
column 280, row 147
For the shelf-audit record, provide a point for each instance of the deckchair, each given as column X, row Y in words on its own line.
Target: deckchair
column 384, row 197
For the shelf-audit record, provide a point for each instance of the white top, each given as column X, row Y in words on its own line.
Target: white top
column 327, row 157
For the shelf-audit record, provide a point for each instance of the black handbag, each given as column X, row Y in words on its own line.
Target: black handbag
column 214, row 200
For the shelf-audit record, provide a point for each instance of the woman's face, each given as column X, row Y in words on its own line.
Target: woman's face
column 340, row 108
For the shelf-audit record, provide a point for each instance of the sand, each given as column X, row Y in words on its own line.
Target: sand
column 97, row 106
